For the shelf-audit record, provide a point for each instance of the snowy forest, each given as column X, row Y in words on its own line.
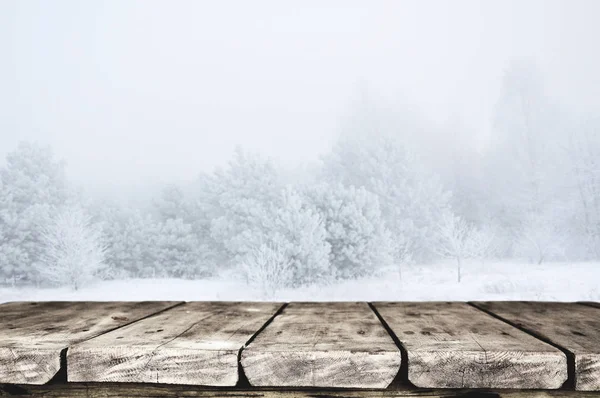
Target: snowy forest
column 387, row 195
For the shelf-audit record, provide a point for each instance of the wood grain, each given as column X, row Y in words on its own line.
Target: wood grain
column 33, row 334
column 126, row 390
column 453, row 345
column 197, row 343
column 573, row 327
column 323, row 345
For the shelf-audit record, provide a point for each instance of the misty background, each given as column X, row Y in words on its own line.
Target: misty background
column 296, row 142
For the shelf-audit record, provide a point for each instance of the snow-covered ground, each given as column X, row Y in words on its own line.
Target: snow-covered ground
column 491, row 281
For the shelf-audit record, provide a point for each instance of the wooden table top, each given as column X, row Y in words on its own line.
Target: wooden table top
column 345, row 349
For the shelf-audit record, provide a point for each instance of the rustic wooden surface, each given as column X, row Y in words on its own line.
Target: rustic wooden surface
column 323, row 345
column 590, row 303
column 573, row 327
column 33, row 335
column 312, row 345
column 196, row 343
column 126, row 390
column 453, row 345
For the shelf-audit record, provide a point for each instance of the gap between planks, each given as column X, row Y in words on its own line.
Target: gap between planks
column 242, row 378
column 62, row 374
column 572, row 327
column 453, row 345
column 243, row 381
column 198, row 343
column 570, row 382
column 402, row 376
column 34, row 354
column 325, row 345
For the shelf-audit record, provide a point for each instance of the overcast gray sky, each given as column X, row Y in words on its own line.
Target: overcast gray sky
column 135, row 91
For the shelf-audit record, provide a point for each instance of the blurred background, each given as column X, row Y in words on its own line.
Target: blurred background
column 282, row 145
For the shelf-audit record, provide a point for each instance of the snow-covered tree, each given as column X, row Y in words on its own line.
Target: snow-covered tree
column 169, row 204
column 184, row 246
column 269, row 267
column 239, row 199
column 583, row 153
column 111, row 218
column 540, row 238
column 179, row 251
column 173, row 203
column 525, row 167
column 453, row 235
column 293, row 250
column 295, row 226
column 360, row 242
column 32, row 183
column 482, row 243
column 459, row 240
column 412, row 198
column 246, row 205
column 73, row 249
column 132, row 248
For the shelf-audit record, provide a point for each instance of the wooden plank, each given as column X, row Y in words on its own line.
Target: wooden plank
column 197, row 343
column 127, row 390
column 453, row 345
column 573, row 327
column 590, row 303
column 33, row 334
column 323, row 345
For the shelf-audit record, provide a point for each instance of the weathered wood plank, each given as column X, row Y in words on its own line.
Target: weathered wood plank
column 126, row 390
column 573, row 327
column 590, row 303
column 323, row 345
column 196, row 343
column 33, row 334
column 453, row 345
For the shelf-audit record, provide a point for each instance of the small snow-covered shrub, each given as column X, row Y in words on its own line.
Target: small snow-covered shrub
column 460, row 240
column 541, row 239
column 268, row 267
column 73, row 253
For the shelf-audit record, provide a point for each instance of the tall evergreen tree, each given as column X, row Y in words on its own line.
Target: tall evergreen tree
column 360, row 242
column 525, row 170
column 32, row 183
column 412, row 198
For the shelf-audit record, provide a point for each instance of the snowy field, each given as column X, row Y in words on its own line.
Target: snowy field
column 493, row 281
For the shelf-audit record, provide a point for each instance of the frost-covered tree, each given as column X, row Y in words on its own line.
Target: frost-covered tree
column 132, row 248
column 246, row 206
column 482, row 243
column 12, row 234
column 360, row 242
column 184, row 246
column 525, row 167
column 173, row 203
column 139, row 245
column 540, row 238
column 179, row 251
column 412, row 199
column 111, row 218
column 460, row 240
column 32, row 182
column 453, row 235
column 583, row 153
column 73, row 249
column 293, row 225
column 269, row 267
column 239, row 199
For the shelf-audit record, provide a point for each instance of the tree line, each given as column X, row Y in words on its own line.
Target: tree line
column 380, row 197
